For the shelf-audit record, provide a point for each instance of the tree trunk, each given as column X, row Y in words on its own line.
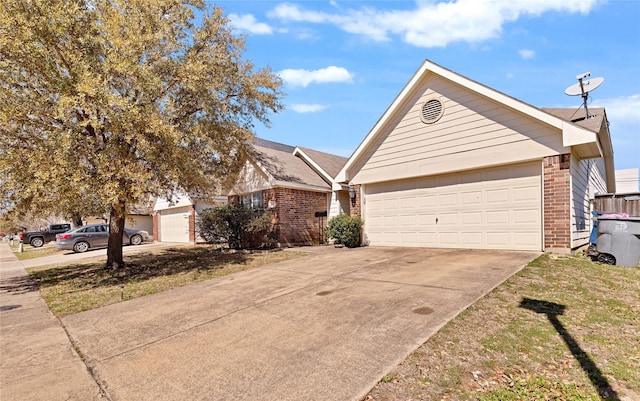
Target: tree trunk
column 117, row 218
column 77, row 220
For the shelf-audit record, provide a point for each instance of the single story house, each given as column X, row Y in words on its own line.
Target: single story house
column 175, row 220
column 453, row 163
column 295, row 185
column 139, row 217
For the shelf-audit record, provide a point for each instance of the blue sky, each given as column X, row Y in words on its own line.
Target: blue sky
column 343, row 62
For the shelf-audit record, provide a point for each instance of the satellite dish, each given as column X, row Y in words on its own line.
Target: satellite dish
column 583, row 87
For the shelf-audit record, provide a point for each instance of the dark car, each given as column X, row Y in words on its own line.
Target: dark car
column 94, row 236
column 39, row 238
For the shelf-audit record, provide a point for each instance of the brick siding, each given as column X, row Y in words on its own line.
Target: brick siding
column 192, row 224
column 355, row 209
column 156, row 225
column 293, row 217
column 557, row 203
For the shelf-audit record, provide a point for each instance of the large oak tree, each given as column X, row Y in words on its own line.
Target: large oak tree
column 109, row 102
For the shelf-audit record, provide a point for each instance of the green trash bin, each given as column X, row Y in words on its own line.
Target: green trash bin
column 618, row 240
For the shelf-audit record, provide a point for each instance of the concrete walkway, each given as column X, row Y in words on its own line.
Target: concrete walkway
column 37, row 360
column 327, row 326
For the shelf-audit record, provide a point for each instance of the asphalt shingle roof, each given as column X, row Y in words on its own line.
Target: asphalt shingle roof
column 576, row 116
column 279, row 161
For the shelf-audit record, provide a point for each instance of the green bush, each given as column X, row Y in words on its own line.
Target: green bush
column 236, row 225
column 345, row 230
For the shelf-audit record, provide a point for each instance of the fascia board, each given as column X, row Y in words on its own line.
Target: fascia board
column 573, row 135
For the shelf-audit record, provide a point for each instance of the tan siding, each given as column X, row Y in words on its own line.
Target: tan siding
column 251, row 179
column 598, row 176
column 587, row 178
column 473, row 132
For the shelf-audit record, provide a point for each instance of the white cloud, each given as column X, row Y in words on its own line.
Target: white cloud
column 249, row 23
column 526, row 53
column 623, row 111
column 433, row 24
column 303, row 78
column 623, row 114
column 307, row 108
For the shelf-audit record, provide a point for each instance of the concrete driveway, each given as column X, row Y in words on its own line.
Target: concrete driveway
column 324, row 327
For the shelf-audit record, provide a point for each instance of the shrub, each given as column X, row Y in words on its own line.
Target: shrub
column 345, row 230
column 235, row 225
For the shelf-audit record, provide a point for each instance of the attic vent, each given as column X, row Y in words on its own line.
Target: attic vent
column 432, row 110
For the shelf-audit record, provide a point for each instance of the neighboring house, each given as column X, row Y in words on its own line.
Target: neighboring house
column 627, row 181
column 295, row 185
column 175, row 221
column 139, row 218
column 453, row 163
column 627, row 196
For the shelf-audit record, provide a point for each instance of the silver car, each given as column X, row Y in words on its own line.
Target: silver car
column 93, row 236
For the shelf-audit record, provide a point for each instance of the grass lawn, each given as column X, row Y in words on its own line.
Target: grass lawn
column 564, row 328
column 87, row 285
column 29, row 252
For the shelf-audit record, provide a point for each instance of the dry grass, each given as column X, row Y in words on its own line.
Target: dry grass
column 564, row 328
column 29, row 252
column 74, row 288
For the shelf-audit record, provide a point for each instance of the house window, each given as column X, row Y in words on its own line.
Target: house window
column 252, row 200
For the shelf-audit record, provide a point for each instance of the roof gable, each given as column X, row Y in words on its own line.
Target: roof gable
column 431, row 79
column 285, row 165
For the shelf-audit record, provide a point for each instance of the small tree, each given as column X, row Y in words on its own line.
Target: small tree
column 235, row 225
column 345, row 230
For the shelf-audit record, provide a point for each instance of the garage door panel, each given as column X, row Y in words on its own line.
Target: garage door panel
column 498, row 208
column 471, row 198
column 528, row 193
column 448, row 238
column 427, row 238
column 499, row 240
column 526, row 216
column 448, row 200
column 174, row 225
column 425, row 201
column 498, row 217
column 524, row 238
column 426, row 220
column 472, row 238
column 408, row 220
column 498, row 196
column 471, row 218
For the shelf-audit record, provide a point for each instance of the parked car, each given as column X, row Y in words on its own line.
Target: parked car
column 94, row 236
column 39, row 238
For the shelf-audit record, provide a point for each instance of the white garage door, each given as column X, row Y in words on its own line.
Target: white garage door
column 174, row 225
column 497, row 208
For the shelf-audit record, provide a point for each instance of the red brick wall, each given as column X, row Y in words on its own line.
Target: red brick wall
column 192, row 224
column 557, row 202
column 156, row 225
column 355, row 209
column 294, row 215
